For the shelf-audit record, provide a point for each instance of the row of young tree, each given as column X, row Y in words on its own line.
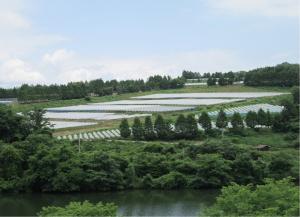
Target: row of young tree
column 98, row 87
column 187, row 127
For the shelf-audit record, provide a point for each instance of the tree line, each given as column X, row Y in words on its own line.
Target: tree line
column 283, row 75
column 98, row 87
column 215, row 76
column 187, row 127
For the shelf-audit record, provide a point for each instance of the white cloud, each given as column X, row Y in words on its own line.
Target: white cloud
column 17, row 71
column 13, row 20
column 283, row 8
column 58, row 56
column 77, row 68
column 18, row 36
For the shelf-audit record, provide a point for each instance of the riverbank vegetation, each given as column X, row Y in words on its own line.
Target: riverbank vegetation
column 273, row 198
column 80, row 209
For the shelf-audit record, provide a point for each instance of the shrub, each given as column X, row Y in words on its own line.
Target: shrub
column 80, row 209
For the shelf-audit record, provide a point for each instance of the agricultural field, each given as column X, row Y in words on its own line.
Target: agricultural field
column 220, row 95
column 68, row 124
column 245, row 109
column 195, row 102
column 104, row 113
column 90, row 115
column 119, row 108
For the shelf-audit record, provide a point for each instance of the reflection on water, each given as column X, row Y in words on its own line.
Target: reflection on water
column 130, row 203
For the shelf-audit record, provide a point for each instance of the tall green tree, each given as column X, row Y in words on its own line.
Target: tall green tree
column 251, row 119
column 237, row 122
column 269, row 119
column 160, row 127
column 205, row 121
column 262, row 117
column 137, row 129
column 181, row 126
column 149, row 133
column 38, row 122
column 124, row 129
column 222, row 121
column 191, row 127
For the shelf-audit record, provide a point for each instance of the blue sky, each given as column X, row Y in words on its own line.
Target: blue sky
column 54, row 41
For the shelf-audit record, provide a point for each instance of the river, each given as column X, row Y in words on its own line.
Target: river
column 130, row 203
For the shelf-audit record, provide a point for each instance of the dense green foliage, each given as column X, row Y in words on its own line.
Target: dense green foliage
column 80, row 209
column 98, row 87
column 284, row 75
column 274, row 198
column 14, row 127
column 41, row 163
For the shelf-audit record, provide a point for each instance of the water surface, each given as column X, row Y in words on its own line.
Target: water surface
column 130, row 203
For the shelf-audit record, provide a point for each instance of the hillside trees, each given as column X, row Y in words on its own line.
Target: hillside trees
column 284, row 75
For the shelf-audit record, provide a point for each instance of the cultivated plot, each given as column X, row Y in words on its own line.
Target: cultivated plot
column 246, row 109
column 209, row 95
column 193, row 102
column 66, row 124
column 90, row 115
column 121, row 108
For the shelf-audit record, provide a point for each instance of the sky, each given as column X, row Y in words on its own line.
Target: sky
column 55, row 41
